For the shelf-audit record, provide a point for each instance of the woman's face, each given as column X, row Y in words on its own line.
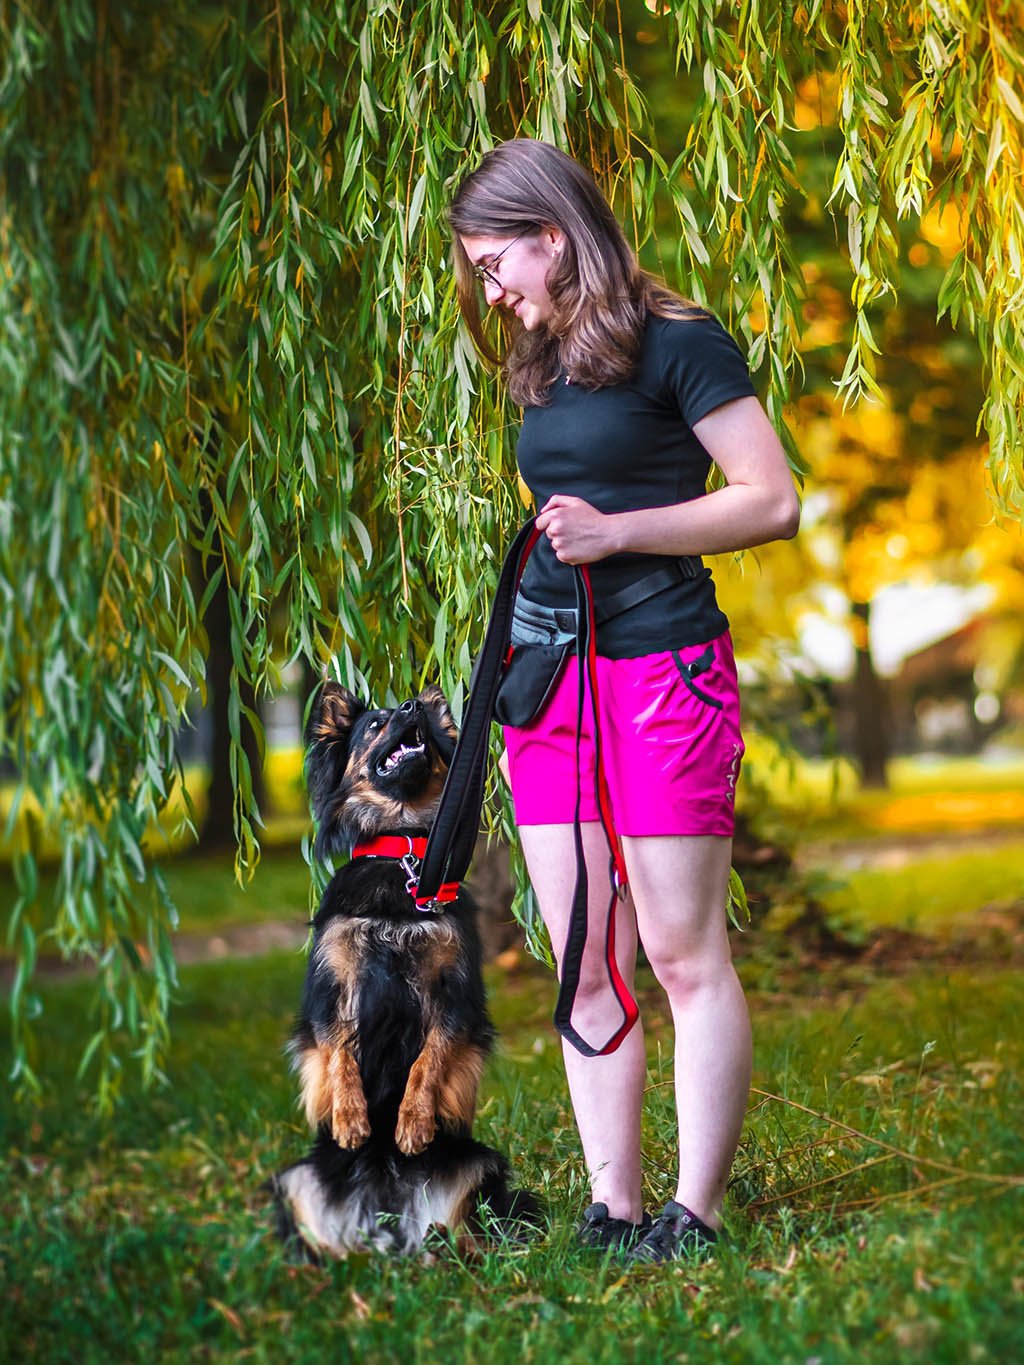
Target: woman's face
column 518, row 280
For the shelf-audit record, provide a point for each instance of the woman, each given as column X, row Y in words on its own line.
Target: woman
column 629, row 393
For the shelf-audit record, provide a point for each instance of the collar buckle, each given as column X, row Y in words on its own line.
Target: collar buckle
column 410, row 865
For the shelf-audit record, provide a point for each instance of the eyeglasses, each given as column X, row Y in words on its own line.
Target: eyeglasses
column 485, row 273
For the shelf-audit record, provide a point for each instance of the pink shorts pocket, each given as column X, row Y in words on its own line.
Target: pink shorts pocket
column 696, row 669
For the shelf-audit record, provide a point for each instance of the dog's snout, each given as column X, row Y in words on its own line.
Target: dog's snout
column 409, row 708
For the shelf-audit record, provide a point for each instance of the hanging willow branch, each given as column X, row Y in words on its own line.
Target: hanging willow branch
column 231, row 361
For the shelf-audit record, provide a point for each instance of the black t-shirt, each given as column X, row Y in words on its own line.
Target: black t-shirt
column 630, row 446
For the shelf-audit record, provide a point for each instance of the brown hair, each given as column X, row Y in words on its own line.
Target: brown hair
column 601, row 298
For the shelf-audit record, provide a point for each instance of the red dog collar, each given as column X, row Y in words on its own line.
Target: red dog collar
column 409, row 852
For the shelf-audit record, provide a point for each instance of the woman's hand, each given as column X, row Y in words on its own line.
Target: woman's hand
column 578, row 532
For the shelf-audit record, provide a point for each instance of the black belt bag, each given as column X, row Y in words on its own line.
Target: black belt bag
column 543, row 638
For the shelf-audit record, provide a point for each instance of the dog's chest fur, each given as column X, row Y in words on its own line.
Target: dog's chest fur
column 374, row 961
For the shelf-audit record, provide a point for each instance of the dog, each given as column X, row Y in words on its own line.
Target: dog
column 393, row 1030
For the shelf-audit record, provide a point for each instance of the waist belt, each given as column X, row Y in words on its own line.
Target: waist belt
column 453, row 836
column 559, row 624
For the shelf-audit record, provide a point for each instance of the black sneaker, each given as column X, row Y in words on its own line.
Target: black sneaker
column 676, row 1234
column 600, row 1232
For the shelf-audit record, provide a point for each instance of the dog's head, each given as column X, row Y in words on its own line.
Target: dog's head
column 372, row 771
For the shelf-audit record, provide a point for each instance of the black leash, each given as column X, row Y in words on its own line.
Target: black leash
column 453, row 837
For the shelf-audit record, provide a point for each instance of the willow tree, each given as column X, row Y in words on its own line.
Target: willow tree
column 230, row 359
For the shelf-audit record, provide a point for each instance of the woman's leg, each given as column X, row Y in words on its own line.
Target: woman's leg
column 679, row 886
column 607, row 1091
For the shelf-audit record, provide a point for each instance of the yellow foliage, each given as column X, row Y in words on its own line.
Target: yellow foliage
column 759, row 592
column 826, row 310
column 816, row 101
column 944, row 228
column 997, row 554
column 960, row 811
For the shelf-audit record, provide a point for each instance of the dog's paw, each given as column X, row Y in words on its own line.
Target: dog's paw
column 416, row 1129
column 350, row 1125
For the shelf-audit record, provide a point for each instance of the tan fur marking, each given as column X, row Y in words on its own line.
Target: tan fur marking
column 358, row 754
column 440, row 953
column 433, row 697
column 336, row 710
column 340, row 953
column 443, row 1083
column 456, row 1099
column 362, row 793
column 331, row 1084
column 350, row 1123
column 462, row 1207
column 316, row 1100
column 417, row 1114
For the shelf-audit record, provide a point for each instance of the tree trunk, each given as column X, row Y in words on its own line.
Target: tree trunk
column 870, row 706
column 217, row 830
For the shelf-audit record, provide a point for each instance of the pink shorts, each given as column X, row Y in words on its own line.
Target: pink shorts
column 670, row 743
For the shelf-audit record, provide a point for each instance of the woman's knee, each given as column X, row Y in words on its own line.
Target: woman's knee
column 683, row 974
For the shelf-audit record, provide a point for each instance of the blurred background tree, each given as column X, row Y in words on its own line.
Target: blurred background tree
column 242, row 427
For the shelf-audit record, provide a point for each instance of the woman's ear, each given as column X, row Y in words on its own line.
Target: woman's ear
column 553, row 238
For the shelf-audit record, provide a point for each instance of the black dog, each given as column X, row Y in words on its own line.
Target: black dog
column 393, row 1032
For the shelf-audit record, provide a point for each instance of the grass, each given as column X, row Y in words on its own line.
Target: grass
column 930, row 894
column 921, row 893
column 874, row 1213
column 208, row 897
column 146, row 1237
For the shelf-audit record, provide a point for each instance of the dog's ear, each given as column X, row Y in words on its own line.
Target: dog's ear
column 334, row 711
column 442, row 724
column 328, row 731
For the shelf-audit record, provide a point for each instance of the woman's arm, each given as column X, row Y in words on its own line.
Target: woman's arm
column 758, row 504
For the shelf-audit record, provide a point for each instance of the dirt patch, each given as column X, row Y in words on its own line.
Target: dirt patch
column 996, row 935
column 233, row 941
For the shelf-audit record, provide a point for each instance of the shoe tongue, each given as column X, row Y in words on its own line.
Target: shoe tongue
column 596, row 1213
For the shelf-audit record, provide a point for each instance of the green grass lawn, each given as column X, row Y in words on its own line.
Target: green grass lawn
column 894, row 1237
column 953, row 797
column 146, row 1237
column 934, row 894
